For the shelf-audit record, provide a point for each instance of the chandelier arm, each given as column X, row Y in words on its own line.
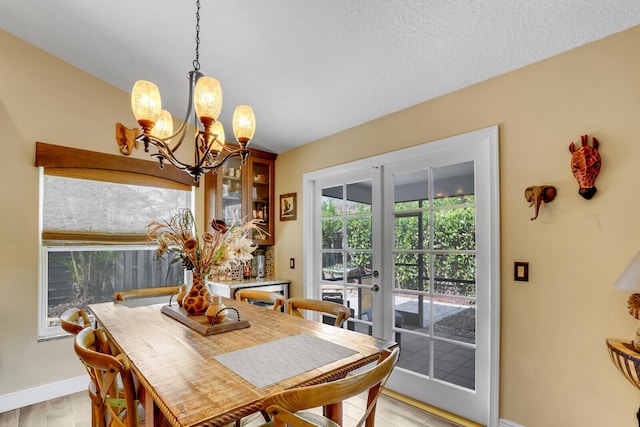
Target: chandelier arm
column 182, row 132
column 207, row 139
column 198, row 158
column 164, row 151
column 243, row 153
column 175, row 162
column 165, row 154
column 195, row 171
column 212, row 139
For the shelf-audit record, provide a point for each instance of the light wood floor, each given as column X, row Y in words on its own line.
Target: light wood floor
column 75, row 411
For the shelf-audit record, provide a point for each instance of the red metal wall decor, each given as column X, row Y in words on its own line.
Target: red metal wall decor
column 585, row 166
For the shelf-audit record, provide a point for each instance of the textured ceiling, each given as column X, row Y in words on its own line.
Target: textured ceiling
column 311, row 68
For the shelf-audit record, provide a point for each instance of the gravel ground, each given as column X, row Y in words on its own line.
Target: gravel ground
column 461, row 324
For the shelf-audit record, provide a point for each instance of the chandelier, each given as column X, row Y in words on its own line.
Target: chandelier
column 205, row 95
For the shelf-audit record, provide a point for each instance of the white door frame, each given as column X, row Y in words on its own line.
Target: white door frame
column 488, row 138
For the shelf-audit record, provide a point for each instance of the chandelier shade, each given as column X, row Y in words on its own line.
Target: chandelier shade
column 244, row 123
column 146, row 103
column 163, row 128
column 218, row 144
column 207, row 99
column 205, row 105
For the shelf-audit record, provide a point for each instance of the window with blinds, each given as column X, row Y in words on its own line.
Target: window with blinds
column 93, row 237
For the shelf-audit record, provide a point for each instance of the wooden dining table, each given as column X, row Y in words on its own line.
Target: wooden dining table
column 191, row 378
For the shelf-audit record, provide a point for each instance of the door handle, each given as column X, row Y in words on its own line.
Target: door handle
column 375, row 288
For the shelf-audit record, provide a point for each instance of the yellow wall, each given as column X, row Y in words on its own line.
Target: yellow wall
column 41, row 99
column 554, row 365
column 555, row 370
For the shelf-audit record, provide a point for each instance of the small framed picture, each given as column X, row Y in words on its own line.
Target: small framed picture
column 288, row 210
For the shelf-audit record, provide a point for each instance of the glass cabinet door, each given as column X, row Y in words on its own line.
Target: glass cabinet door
column 243, row 193
column 231, row 192
column 260, row 198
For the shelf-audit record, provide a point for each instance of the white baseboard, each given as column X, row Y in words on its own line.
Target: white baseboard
column 22, row 398
column 505, row 423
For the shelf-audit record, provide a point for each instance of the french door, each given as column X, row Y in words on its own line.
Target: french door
column 410, row 242
column 347, row 258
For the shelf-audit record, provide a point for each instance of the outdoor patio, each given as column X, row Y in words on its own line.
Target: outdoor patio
column 454, row 325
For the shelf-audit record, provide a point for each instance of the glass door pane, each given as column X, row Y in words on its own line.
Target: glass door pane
column 435, row 272
column 346, row 252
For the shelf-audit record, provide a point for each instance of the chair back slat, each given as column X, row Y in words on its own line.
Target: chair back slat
column 145, row 293
column 341, row 312
column 112, row 378
column 284, row 406
column 73, row 320
column 275, row 298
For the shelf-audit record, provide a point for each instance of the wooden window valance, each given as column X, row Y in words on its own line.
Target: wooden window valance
column 74, row 162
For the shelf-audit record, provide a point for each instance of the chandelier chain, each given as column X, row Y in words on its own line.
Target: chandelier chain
column 196, row 62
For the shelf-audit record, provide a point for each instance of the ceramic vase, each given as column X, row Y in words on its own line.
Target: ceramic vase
column 198, row 299
column 181, row 294
column 186, row 287
column 216, row 313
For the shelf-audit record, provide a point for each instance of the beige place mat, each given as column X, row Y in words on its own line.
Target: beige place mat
column 269, row 363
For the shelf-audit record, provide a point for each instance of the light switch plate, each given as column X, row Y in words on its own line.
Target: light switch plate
column 521, row 271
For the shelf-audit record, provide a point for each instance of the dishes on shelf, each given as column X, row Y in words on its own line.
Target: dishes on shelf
column 245, row 191
column 259, row 178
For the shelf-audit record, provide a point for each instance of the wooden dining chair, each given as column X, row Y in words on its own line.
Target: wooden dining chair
column 73, row 320
column 341, row 312
column 145, row 293
column 275, row 299
column 287, row 408
column 112, row 379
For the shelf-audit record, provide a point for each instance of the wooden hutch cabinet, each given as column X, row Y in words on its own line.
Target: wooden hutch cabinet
column 244, row 192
